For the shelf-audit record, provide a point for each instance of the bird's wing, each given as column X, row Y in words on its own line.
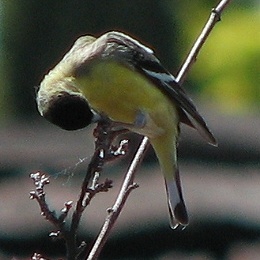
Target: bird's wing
column 139, row 57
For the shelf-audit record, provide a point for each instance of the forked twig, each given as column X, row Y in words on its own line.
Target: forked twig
column 124, row 192
column 104, row 151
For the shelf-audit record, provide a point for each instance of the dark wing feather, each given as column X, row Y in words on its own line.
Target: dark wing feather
column 139, row 57
column 188, row 112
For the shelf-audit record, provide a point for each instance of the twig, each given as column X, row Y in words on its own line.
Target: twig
column 215, row 17
column 128, row 182
column 40, row 180
column 104, row 151
column 114, row 212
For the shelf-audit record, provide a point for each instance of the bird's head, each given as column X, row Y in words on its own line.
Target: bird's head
column 61, row 103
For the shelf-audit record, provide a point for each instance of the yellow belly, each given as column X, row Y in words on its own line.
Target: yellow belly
column 121, row 94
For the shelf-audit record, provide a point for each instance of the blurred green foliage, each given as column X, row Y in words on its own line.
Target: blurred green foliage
column 228, row 68
column 35, row 34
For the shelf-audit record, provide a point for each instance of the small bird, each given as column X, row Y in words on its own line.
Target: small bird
column 116, row 76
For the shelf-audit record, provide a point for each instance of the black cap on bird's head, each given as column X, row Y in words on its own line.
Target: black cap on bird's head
column 70, row 112
column 63, row 105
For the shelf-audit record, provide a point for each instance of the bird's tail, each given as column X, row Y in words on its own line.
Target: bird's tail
column 165, row 149
column 176, row 204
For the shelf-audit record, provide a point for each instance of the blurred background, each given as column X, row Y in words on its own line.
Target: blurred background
column 221, row 185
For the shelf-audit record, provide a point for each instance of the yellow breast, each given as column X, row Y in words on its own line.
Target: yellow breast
column 121, row 93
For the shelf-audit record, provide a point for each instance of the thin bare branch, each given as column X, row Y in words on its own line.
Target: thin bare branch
column 104, row 152
column 192, row 56
column 104, row 137
column 40, row 180
column 116, row 209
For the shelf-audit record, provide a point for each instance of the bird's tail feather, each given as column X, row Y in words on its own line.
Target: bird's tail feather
column 165, row 149
column 176, row 204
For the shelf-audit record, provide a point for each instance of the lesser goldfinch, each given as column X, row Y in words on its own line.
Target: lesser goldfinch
column 116, row 76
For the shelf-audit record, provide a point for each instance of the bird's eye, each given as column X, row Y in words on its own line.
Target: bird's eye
column 70, row 112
